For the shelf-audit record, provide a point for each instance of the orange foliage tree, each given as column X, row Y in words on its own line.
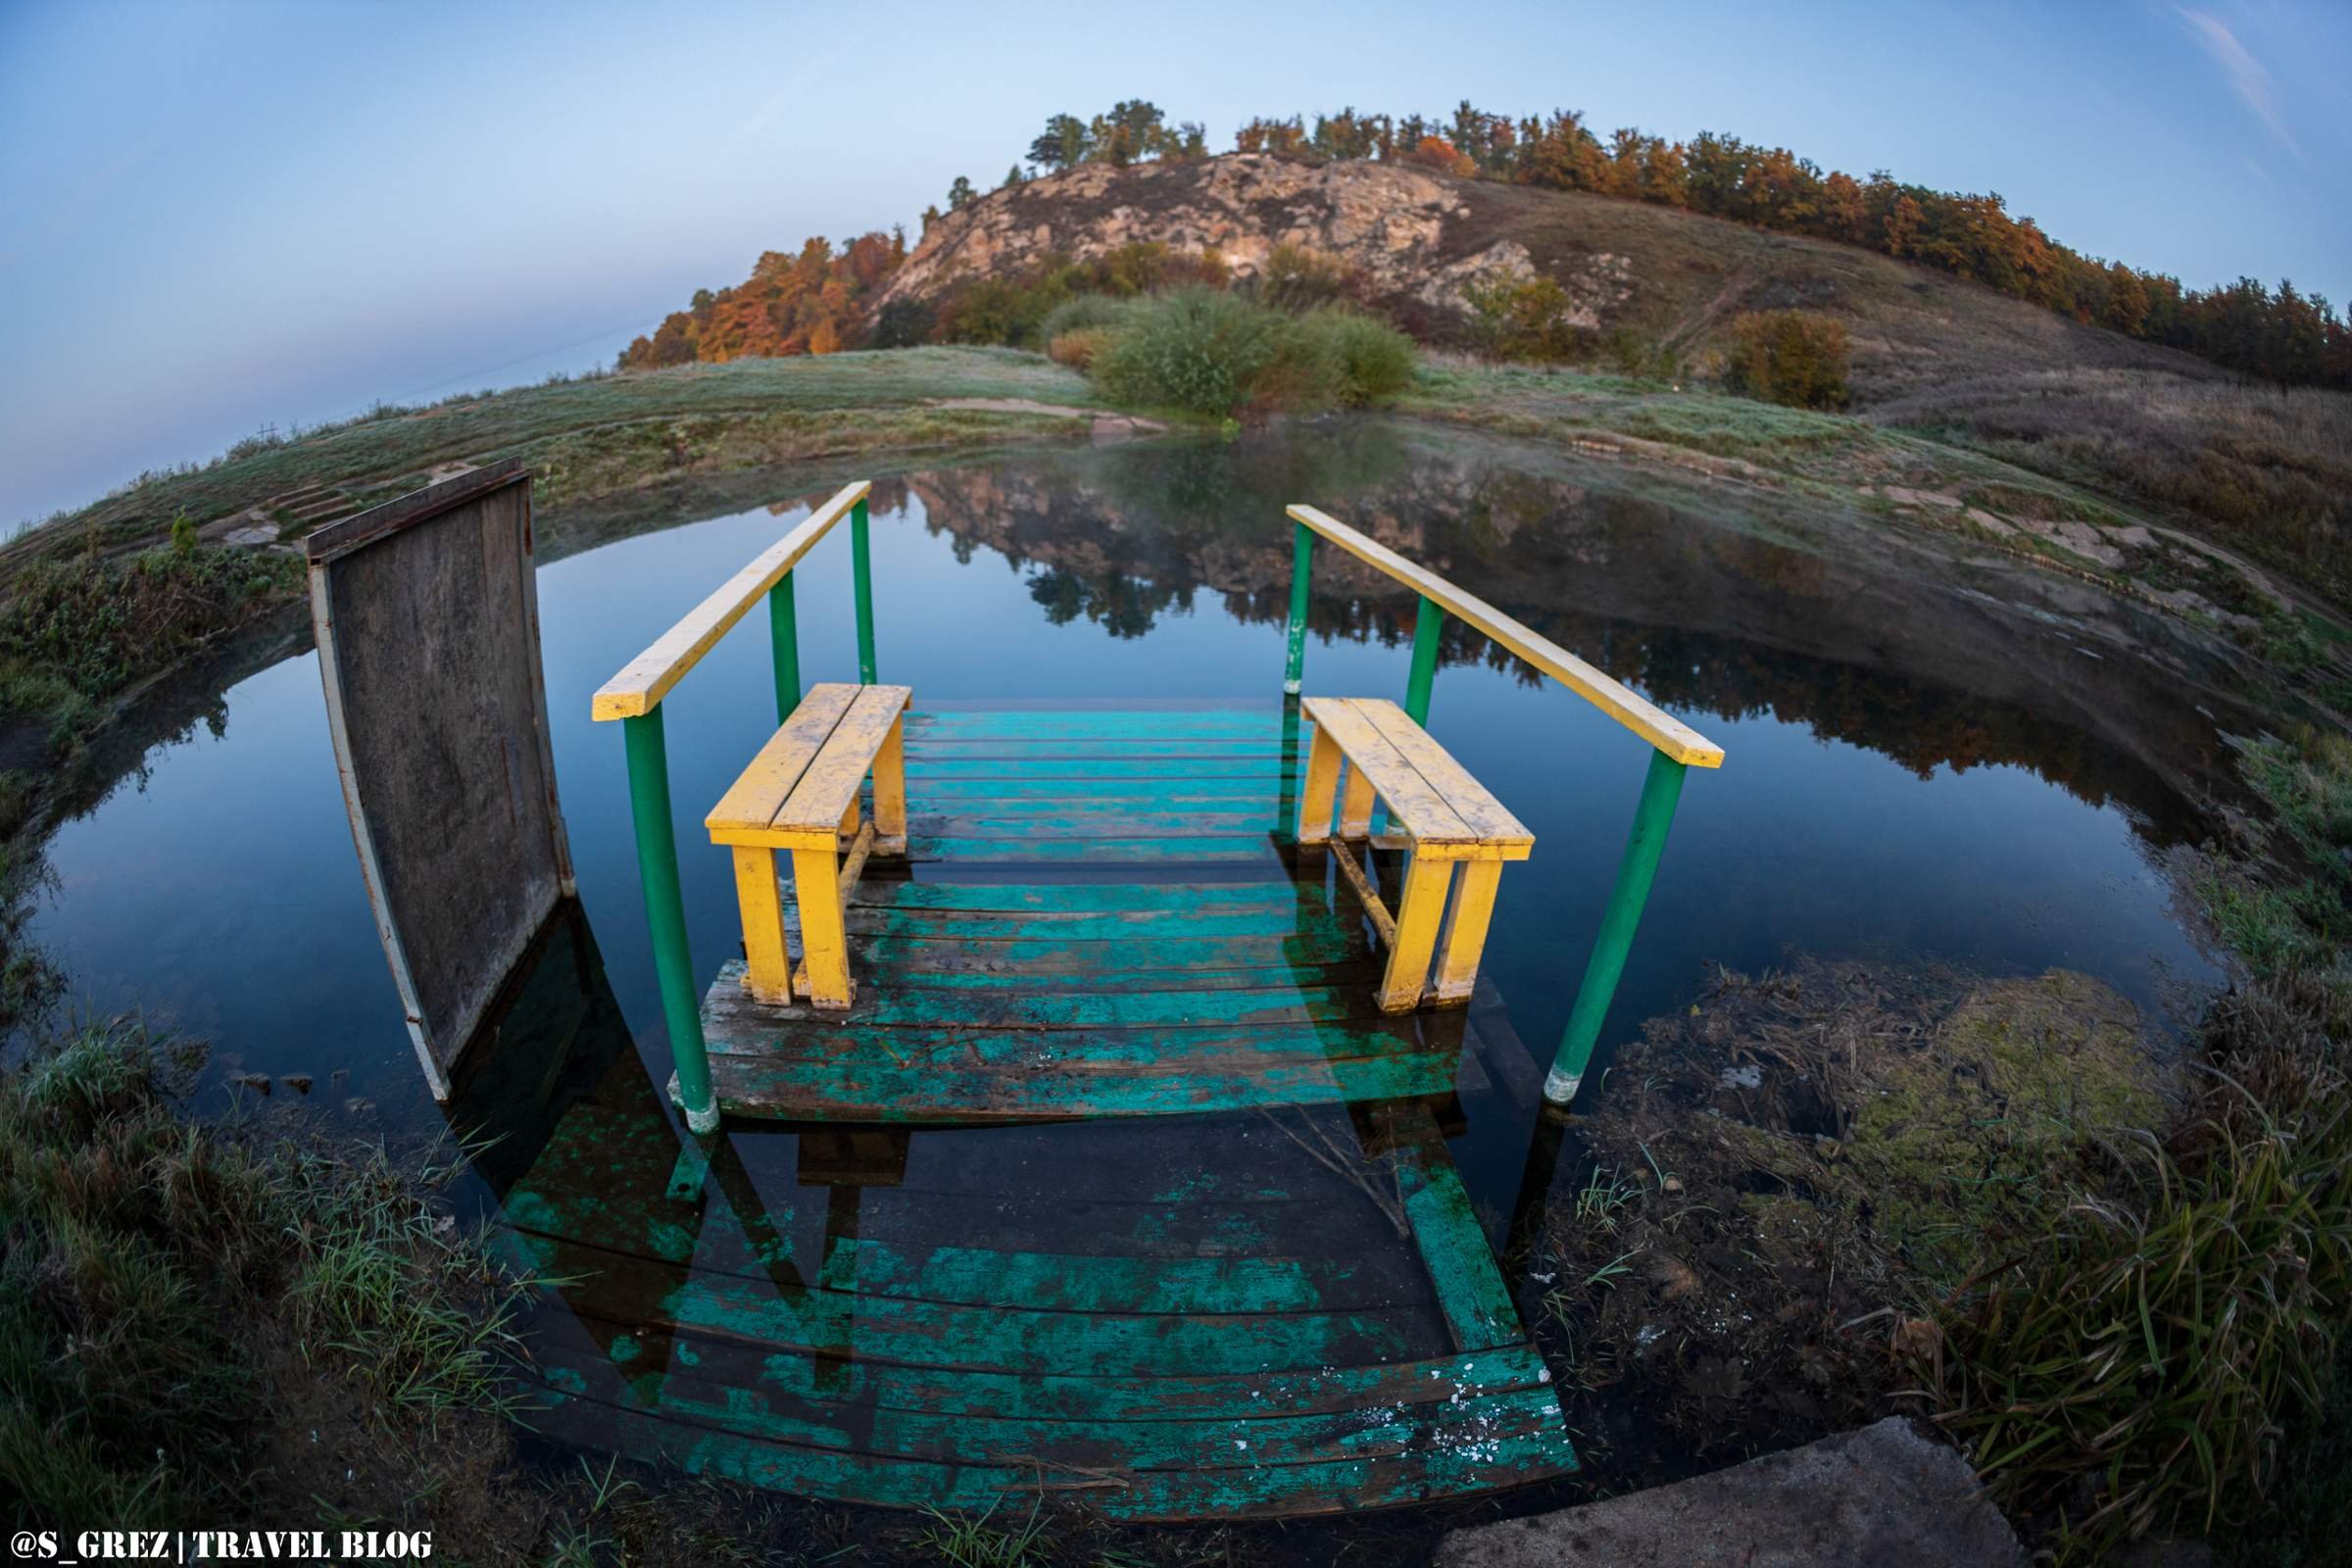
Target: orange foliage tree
column 813, row 302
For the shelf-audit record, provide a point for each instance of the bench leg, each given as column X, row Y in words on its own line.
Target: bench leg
column 889, row 791
column 1473, row 909
column 768, row 972
column 1356, row 806
column 1418, row 915
column 817, row 883
column 1320, row 789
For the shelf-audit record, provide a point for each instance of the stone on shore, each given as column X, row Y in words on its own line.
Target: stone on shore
column 1887, row 1494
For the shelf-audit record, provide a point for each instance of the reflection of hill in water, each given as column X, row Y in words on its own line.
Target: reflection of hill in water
column 1704, row 597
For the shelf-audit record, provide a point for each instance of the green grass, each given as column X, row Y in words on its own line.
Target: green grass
column 161, row 1277
column 971, row 1541
column 2132, row 1358
column 395, row 448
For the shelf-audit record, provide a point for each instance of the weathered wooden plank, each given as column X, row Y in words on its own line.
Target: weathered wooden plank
column 1409, row 797
column 645, row 679
column 1265, row 770
column 1470, row 1288
column 1128, row 748
column 1661, row 729
column 1259, row 1441
column 730, row 1013
column 1015, row 821
column 751, row 803
column 1054, row 899
column 1125, row 723
column 886, row 1094
column 1470, row 800
column 1176, row 847
column 1112, row 963
column 830, row 784
column 1174, row 1398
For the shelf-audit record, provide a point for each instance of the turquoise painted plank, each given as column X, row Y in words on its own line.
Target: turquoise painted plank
column 1076, row 1344
column 885, row 1095
column 1268, row 748
column 1470, row 1288
column 1084, row 898
column 1103, row 768
column 1275, row 1008
column 1014, row 958
column 1172, row 793
column 1143, row 925
column 1257, row 1441
column 978, row 821
column 1461, row 1467
column 1122, row 851
column 985, row 987
column 1132, row 722
column 1104, row 1054
column 1181, row 1396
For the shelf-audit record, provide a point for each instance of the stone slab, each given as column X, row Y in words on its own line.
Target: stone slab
column 1887, row 1494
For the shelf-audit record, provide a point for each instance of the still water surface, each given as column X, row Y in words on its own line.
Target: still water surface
column 1915, row 771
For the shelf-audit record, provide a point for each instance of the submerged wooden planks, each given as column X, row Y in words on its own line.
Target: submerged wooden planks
column 1174, row 1320
column 1117, row 1183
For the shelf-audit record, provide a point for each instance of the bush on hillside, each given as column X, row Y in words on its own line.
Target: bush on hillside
column 1298, row 277
column 1791, row 357
column 1088, row 313
column 1196, row 349
column 1528, row 318
column 1078, row 349
column 1208, row 352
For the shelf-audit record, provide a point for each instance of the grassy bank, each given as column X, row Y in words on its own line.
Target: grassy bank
column 582, row 436
column 179, row 1304
column 2118, row 1273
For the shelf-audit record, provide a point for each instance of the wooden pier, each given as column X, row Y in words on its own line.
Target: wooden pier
column 1248, row 1281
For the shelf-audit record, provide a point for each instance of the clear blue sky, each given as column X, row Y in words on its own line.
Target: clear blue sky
column 217, row 216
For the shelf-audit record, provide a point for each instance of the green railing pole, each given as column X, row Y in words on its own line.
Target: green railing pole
column 1428, row 621
column 1302, row 566
column 862, row 565
column 1651, row 818
column 666, row 915
column 784, row 642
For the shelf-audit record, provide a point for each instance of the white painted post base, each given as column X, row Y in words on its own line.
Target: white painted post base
column 702, row 1122
column 1560, row 1085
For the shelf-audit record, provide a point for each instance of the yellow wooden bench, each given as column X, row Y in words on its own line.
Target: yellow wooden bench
column 800, row 794
column 1440, row 811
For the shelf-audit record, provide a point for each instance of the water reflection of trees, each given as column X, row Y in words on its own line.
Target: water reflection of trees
column 1705, row 612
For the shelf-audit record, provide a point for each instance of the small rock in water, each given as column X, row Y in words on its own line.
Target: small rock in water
column 358, row 1107
column 257, row 1082
column 299, row 1082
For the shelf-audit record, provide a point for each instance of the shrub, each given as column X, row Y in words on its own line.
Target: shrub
column 1212, row 353
column 1088, row 313
column 1525, row 319
column 1358, row 358
column 903, row 325
column 1077, row 349
column 1297, row 277
column 1791, row 357
column 1194, row 348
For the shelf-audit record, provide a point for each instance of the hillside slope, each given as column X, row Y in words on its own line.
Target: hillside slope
column 1670, row 277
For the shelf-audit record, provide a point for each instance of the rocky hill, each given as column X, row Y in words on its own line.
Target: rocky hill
column 1668, row 278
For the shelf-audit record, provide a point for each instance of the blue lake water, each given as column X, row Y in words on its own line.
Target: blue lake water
column 1921, row 766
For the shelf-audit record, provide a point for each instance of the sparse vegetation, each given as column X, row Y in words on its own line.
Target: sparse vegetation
column 1796, row 357
column 162, row 1283
column 78, row 630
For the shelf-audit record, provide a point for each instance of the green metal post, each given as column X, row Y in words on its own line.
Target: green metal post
column 666, row 915
column 784, row 642
column 1651, row 818
column 1428, row 621
column 862, row 565
column 1302, row 566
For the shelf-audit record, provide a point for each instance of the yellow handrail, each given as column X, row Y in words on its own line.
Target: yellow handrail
column 645, row 679
column 1670, row 735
